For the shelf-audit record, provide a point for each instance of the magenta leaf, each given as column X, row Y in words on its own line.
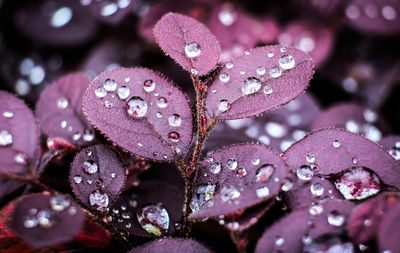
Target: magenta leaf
column 19, row 135
column 235, row 178
column 358, row 167
column 140, row 111
column 258, row 81
column 60, row 113
column 172, row 245
column 374, row 16
column 303, row 226
column 97, row 177
column 354, row 118
column 47, row 220
column 392, row 145
column 388, row 233
column 188, row 42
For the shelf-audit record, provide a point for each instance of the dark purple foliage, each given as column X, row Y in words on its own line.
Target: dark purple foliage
column 45, row 220
column 260, row 80
column 97, row 177
column 19, row 135
column 388, row 235
column 60, row 113
column 172, row 245
column 141, row 111
column 188, row 42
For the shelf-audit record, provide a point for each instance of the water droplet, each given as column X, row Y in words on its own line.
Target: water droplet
column 30, row 222
column 242, row 72
column 63, row 124
column 224, row 105
column 72, row 210
column 231, row 164
column 192, row 49
column 5, row 138
column 251, row 85
column 62, row 103
column 136, row 107
column 310, row 158
column 287, row 186
column 215, row 168
column 37, row 75
column 395, row 153
column 194, row 71
column 203, row 194
column 154, row 219
column 256, row 161
column 149, row 85
column 241, row 172
column 59, row 202
column 267, row 90
column 275, row 72
column 358, row 183
column 260, row 70
column 305, row 173
column 286, row 62
column 20, row 158
column 108, row 104
column 275, row 130
column 227, row 16
column 174, row 120
column 98, row 200
column 262, row 192
column 100, row 92
column 389, row 13
column 127, row 79
column 8, row 114
column 162, row 102
column 90, row 167
column 109, row 9
column 61, row 17
column 233, row 225
column 229, row 65
column 159, row 115
column 336, row 143
column 229, row 193
column 283, row 50
column 279, row 241
column 306, row 239
column 45, row 219
column 264, row 173
column 224, row 77
column 352, row 126
column 317, row 189
column 316, row 209
column 246, row 52
column 354, row 161
column 123, row 92
column 174, row 136
column 78, row 179
column 110, row 84
column 335, row 218
column 270, row 55
column 352, row 12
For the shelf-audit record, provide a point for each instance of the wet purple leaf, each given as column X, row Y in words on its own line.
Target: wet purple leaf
column 19, row 135
column 60, row 113
column 258, row 81
column 172, row 245
column 188, row 42
column 235, row 178
column 97, row 176
column 140, row 111
column 47, row 220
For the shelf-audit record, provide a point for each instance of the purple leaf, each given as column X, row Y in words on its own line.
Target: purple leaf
column 97, row 177
column 57, row 23
column 355, row 164
column 354, row 118
column 374, row 16
column 392, row 145
column 258, row 81
column 301, row 227
column 19, row 135
column 188, row 42
column 235, row 178
column 313, row 39
column 172, row 245
column 366, row 218
column 60, row 113
column 47, row 220
column 140, row 111
column 388, row 234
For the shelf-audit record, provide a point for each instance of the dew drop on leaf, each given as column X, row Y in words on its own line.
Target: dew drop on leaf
column 174, row 136
column 231, row 164
column 162, row 102
column 6, row 138
column 192, row 49
column 174, row 120
column 215, row 168
column 286, row 62
column 224, row 105
column 149, row 85
column 136, row 107
column 123, row 92
column 335, row 218
column 305, row 173
column 154, row 219
column 98, row 200
column 262, row 192
column 110, row 84
column 251, row 85
column 90, row 167
column 224, row 77
column 264, row 173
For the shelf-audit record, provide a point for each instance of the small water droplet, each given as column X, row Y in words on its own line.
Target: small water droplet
column 306, row 239
column 279, row 241
column 229, row 65
column 352, row 126
column 251, row 85
column 109, row 9
column 174, row 136
column 287, row 186
column 224, row 105
column 159, row 115
column 108, row 104
column 241, row 172
column 5, row 138
column 136, row 107
column 310, row 158
column 262, row 192
column 267, row 90
column 316, row 209
column 194, row 71
column 305, row 173
column 256, row 161
column 231, row 164
column 149, row 85
column 100, row 92
column 61, row 17
column 78, row 179
column 275, row 72
column 229, row 193
column 110, row 84
column 270, row 55
column 335, row 218
column 242, row 72
column 192, row 49
column 154, row 219
column 127, row 79
column 88, row 136
column 20, row 158
column 123, row 92
column 98, row 200
column 215, row 168
column 354, row 161
column 275, row 129
column 264, row 173
column 286, row 62
column 62, row 103
column 113, row 175
column 283, row 50
column 45, row 218
column 30, row 222
column 174, row 120
column 162, row 102
column 203, row 194
column 8, row 114
column 90, row 167
column 224, row 77
column 317, row 189
column 260, row 70
column 233, row 225
column 336, row 143
column 59, row 203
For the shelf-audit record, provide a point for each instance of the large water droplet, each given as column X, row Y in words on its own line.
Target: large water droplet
column 45, row 218
column 224, row 105
column 286, row 62
column 98, row 200
column 61, row 17
column 174, row 136
column 224, row 77
column 305, row 173
column 62, row 103
column 203, row 194
column 192, row 49
column 59, row 203
column 358, row 183
column 174, row 120
column 231, row 164
column 110, row 84
column 229, row 193
column 162, row 102
column 5, row 138
column 100, row 92
column 251, row 85
column 215, row 168
column 262, row 192
column 90, row 167
column 275, row 72
column 335, row 218
column 154, row 219
column 136, row 107
column 149, row 85
column 264, row 173
column 123, row 92
column 317, row 189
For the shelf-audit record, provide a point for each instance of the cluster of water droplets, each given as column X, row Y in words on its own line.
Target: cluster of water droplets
column 372, row 11
column 395, row 151
column 32, row 75
column 108, row 8
column 368, row 129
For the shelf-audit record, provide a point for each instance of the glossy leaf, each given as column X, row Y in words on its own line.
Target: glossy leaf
column 258, row 81
column 141, row 111
column 188, row 42
column 235, row 178
column 47, row 220
column 60, row 113
column 97, row 177
column 172, row 245
column 19, row 135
